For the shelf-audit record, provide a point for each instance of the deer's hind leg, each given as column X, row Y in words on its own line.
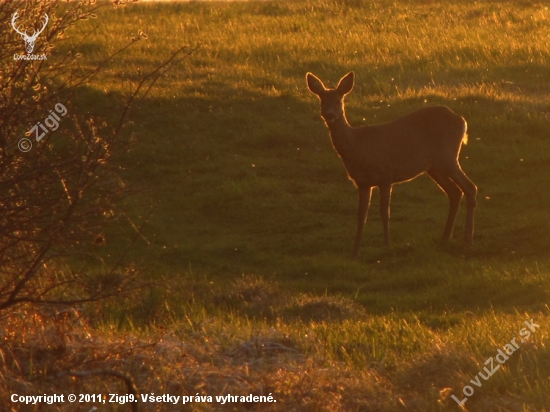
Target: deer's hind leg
column 454, row 193
column 455, row 173
column 385, row 196
column 470, row 192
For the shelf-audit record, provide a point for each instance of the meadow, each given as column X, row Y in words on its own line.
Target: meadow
column 249, row 216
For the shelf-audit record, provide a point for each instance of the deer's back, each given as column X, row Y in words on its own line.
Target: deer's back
column 406, row 147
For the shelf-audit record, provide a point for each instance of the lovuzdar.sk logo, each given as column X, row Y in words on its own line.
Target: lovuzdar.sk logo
column 29, row 40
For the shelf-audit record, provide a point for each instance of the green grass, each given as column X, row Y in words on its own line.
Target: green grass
column 240, row 168
column 239, row 172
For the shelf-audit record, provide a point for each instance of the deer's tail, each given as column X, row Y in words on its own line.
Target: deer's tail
column 465, row 133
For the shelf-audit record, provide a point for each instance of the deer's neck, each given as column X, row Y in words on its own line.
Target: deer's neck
column 340, row 133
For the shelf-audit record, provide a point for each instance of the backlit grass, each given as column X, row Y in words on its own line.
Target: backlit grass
column 243, row 175
column 239, row 172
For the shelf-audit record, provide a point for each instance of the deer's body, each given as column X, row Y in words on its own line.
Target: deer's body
column 376, row 155
column 425, row 141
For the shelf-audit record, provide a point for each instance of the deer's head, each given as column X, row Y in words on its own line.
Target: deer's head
column 29, row 40
column 332, row 100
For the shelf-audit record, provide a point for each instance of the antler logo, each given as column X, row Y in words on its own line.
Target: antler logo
column 29, row 40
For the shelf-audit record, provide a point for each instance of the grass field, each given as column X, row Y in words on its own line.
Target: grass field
column 250, row 235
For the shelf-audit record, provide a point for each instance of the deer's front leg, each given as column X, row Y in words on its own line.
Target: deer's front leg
column 385, row 196
column 364, row 201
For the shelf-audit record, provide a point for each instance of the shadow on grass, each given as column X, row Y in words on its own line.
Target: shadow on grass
column 242, row 180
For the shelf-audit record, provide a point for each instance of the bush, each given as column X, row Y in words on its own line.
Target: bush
column 58, row 192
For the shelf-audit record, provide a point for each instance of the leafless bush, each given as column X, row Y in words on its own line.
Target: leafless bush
column 55, row 202
column 56, row 199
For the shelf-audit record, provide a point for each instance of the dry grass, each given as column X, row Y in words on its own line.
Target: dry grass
column 39, row 352
column 312, row 353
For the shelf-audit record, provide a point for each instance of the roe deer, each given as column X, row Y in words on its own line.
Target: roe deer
column 425, row 141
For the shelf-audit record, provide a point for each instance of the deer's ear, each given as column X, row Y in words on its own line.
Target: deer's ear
column 314, row 84
column 346, row 83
